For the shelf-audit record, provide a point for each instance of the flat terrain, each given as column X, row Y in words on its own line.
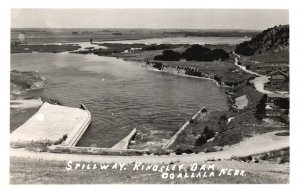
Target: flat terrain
column 53, row 35
column 42, row 48
column 28, row 171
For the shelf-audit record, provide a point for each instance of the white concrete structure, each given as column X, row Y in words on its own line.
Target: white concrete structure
column 124, row 143
column 175, row 136
column 54, row 124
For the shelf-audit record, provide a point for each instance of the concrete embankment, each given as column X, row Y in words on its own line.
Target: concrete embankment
column 78, row 131
column 53, row 124
column 173, row 139
column 124, row 143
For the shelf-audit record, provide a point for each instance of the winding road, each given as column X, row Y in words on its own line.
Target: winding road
column 259, row 82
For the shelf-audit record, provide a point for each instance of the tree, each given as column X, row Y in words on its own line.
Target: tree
column 220, row 54
column 209, row 132
column 261, row 107
column 196, row 52
column 168, row 55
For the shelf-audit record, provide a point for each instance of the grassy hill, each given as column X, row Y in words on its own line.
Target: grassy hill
column 272, row 39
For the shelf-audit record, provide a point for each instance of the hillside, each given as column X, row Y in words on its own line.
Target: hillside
column 272, row 39
column 21, row 81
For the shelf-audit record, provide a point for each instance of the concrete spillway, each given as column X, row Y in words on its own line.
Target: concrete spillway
column 54, row 124
column 124, row 143
column 181, row 130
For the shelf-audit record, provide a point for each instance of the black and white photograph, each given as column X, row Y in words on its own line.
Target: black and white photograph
column 149, row 96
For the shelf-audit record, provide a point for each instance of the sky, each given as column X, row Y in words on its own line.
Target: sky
column 253, row 19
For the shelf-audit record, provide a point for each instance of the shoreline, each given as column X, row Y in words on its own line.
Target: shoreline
column 191, row 76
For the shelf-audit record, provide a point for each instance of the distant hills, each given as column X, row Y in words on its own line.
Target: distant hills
column 271, row 39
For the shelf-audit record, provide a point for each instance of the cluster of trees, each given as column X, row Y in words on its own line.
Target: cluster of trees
column 194, row 53
column 168, row 55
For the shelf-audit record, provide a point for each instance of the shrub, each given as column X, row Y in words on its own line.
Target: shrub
column 285, row 133
column 201, row 140
column 178, row 151
column 158, row 66
column 189, row 151
column 209, row 132
column 206, row 134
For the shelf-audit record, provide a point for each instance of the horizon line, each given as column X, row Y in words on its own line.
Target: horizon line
column 144, row 28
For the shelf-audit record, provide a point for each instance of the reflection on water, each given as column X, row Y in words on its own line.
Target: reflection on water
column 121, row 95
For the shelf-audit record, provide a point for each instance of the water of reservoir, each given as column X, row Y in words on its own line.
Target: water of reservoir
column 121, row 95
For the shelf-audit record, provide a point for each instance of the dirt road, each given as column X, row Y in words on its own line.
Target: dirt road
column 257, row 144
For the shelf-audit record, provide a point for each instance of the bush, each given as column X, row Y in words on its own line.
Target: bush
column 285, row 133
column 201, row 140
column 189, row 151
column 178, row 151
column 207, row 133
column 158, row 66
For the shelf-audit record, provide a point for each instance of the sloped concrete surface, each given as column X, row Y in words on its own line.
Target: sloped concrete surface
column 50, row 124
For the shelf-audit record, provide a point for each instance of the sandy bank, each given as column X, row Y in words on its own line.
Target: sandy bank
column 23, row 104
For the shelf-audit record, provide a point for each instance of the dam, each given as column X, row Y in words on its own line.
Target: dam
column 62, row 127
column 53, row 124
